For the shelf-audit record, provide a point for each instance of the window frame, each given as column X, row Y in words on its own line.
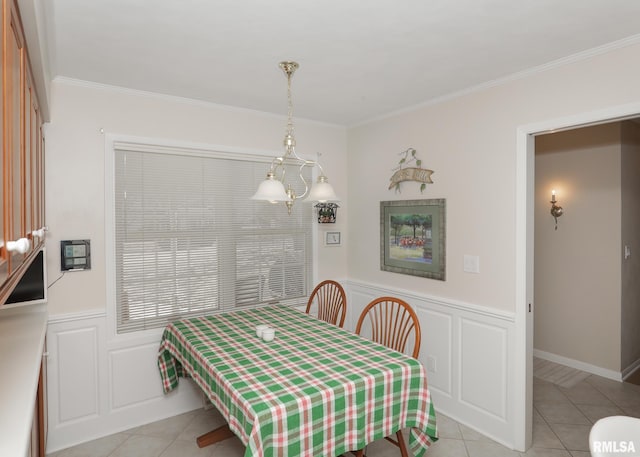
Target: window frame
column 134, row 143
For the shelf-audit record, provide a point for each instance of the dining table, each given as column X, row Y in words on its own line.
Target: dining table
column 314, row 390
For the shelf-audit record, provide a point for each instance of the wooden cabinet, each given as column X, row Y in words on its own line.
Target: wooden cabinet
column 37, row 444
column 21, row 177
column 41, row 405
column 14, row 144
column 21, row 180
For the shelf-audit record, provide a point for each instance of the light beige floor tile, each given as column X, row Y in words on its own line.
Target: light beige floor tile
column 621, row 393
column 489, row 449
column 167, row 428
column 446, row 447
column 580, row 454
column 543, row 437
column 631, row 410
column 595, row 412
column 574, row 437
column 562, row 413
column 142, row 446
column 102, row 447
column 586, row 394
column 557, row 373
column 448, row 428
column 624, row 398
column 187, row 449
column 231, row 447
column 545, row 392
column 383, row 448
column 203, row 422
column 537, row 417
column 380, row 448
column 538, row 452
column 469, row 434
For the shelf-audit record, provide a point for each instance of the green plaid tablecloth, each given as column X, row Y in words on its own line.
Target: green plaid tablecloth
column 316, row 390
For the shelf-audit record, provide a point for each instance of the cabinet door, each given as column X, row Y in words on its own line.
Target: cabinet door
column 14, row 122
column 21, row 157
column 40, row 203
column 27, row 157
column 38, row 441
column 31, row 169
column 37, row 169
column 4, row 264
column 42, row 421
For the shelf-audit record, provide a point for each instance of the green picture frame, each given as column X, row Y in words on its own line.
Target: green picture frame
column 413, row 237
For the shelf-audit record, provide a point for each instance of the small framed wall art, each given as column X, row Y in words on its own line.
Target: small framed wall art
column 332, row 239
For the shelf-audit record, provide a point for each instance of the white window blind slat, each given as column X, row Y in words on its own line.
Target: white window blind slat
column 189, row 240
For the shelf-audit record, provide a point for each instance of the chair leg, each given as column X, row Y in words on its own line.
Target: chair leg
column 402, row 444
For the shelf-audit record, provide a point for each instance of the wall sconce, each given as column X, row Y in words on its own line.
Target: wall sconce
column 556, row 210
column 327, row 212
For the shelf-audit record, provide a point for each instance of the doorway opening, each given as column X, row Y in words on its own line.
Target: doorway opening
column 525, row 217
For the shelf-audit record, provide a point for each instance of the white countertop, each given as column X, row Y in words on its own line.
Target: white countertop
column 22, row 333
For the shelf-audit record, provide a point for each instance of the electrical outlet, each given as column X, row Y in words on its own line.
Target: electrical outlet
column 471, row 264
column 431, row 364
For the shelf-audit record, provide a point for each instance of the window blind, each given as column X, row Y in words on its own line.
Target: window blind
column 190, row 241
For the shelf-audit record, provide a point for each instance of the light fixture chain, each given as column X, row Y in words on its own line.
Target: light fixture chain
column 290, row 107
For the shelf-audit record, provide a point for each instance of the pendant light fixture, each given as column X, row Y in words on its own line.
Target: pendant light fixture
column 275, row 188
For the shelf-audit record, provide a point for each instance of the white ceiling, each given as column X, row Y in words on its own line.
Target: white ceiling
column 359, row 60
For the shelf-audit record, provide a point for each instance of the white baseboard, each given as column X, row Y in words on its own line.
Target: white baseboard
column 635, row 366
column 578, row 365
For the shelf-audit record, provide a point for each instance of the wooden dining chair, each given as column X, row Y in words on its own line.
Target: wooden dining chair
column 331, row 301
column 392, row 323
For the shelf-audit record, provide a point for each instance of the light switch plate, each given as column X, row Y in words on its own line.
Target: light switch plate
column 471, row 264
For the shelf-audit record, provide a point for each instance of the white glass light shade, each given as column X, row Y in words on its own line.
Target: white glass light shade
column 271, row 190
column 322, row 191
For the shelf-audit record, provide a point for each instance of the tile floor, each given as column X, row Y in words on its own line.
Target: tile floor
column 561, row 423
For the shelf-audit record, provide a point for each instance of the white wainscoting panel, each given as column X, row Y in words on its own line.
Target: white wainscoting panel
column 77, row 373
column 436, row 347
column 139, row 363
column 100, row 384
column 483, row 363
column 467, row 350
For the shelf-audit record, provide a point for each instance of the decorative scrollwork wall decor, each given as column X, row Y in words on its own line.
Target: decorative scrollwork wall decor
column 403, row 173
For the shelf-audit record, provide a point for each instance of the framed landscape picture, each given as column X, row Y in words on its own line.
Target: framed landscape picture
column 413, row 237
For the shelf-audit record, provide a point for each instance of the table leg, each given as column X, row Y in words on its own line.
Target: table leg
column 402, row 444
column 214, row 436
